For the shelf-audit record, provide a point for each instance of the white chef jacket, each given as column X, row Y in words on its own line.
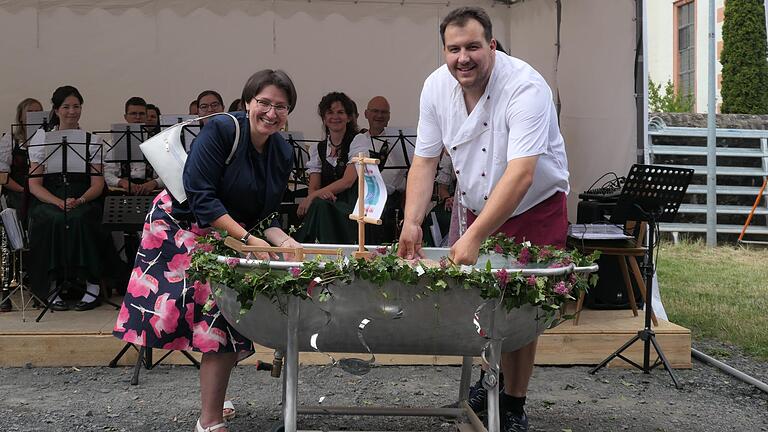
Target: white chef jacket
column 514, row 118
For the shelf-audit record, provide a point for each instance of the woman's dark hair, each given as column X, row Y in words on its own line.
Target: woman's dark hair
column 235, row 105
column 349, row 106
column 460, row 16
column 21, row 132
column 155, row 108
column 57, row 100
column 266, row 77
column 210, row 92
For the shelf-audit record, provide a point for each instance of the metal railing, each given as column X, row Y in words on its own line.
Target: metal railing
column 657, row 151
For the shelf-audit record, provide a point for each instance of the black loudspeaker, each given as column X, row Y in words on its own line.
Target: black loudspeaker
column 609, row 292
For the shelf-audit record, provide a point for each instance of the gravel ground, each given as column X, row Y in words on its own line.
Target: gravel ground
column 560, row 399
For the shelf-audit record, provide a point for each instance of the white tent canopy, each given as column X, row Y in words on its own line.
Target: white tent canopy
column 167, row 51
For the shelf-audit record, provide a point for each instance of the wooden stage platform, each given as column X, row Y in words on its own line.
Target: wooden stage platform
column 85, row 339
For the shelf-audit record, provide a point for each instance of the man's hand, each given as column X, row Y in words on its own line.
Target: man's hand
column 410, row 241
column 465, row 250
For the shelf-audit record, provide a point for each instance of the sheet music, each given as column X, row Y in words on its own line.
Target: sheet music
column 124, row 134
column 76, row 153
column 13, row 229
column 597, row 232
column 190, row 131
column 36, row 120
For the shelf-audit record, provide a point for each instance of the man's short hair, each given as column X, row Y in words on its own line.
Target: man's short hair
column 135, row 101
column 154, row 107
column 460, row 16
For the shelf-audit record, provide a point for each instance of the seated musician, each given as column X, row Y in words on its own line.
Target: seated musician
column 390, row 153
column 153, row 120
column 65, row 235
column 332, row 176
column 136, row 178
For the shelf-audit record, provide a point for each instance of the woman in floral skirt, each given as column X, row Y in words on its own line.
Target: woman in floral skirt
column 162, row 308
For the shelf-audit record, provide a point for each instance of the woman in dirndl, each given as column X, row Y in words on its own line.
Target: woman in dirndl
column 162, row 309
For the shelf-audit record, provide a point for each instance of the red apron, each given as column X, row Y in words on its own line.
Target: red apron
column 546, row 223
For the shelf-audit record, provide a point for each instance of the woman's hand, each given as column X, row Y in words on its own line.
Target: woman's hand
column 60, row 204
column 72, row 203
column 328, row 195
column 304, row 206
column 255, row 241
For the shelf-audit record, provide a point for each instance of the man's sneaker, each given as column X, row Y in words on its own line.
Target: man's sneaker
column 514, row 423
column 478, row 398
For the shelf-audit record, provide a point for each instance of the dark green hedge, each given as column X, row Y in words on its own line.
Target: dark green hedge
column 745, row 68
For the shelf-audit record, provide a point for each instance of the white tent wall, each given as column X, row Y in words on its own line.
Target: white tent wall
column 167, row 51
column 594, row 77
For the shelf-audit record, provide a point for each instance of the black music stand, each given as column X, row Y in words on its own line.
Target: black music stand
column 69, row 152
column 652, row 193
column 124, row 149
column 128, row 213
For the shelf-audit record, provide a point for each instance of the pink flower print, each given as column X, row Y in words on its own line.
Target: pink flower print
column 531, row 280
column 381, row 250
column 196, row 230
column 208, row 339
column 180, row 343
column 166, row 316
column 122, row 318
column 163, row 201
column 544, row 254
column 572, row 278
column 216, row 235
column 186, row 239
column 498, row 249
column 154, row 234
column 177, row 267
column 132, row 337
column 202, row 292
column 562, row 288
column 141, row 286
column 295, row 271
column 233, row 262
column 524, row 257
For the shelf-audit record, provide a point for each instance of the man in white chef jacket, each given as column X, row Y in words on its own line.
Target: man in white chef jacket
column 495, row 117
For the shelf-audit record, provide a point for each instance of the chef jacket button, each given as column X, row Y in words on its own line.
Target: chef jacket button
column 463, row 193
column 483, row 148
column 485, row 197
column 457, row 171
column 485, row 124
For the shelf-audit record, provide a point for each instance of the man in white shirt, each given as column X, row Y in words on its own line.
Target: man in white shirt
column 390, row 152
column 141, row 180
column 494, row 115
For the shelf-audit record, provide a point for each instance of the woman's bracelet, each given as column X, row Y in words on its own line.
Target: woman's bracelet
column 81, row 200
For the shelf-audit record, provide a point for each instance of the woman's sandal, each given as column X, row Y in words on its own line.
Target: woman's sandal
column 200, row 428
column 228, row 405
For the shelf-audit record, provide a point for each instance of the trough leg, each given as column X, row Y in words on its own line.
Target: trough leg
column 291, row 366
column 466, row 377
column 492, row 385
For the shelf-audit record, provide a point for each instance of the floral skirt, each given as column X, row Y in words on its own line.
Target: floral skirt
column 161, row 308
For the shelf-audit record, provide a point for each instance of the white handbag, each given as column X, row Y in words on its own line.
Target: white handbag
column 167, row 156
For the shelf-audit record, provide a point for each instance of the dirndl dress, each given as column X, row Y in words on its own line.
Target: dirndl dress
column 162, row 308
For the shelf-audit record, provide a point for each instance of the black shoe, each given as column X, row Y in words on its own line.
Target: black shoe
column 58, row 305
column 511, row 422
column 478, row 398
column 5, row 306
column 84, row 306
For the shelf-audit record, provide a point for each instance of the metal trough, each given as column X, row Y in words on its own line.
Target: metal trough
column 361, row 317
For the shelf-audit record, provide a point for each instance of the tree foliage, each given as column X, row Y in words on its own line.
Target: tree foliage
column 670, row 101
column 745, row 68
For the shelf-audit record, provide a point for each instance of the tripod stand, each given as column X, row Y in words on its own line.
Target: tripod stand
column 652, row 193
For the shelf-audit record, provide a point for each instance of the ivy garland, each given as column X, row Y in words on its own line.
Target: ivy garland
column 514, row 289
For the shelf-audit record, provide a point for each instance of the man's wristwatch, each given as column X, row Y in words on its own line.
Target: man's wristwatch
column 244, row 238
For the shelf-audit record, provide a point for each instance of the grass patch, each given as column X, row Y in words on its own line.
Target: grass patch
column 719, row 293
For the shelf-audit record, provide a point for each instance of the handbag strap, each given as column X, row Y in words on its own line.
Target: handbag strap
column 237, row 131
